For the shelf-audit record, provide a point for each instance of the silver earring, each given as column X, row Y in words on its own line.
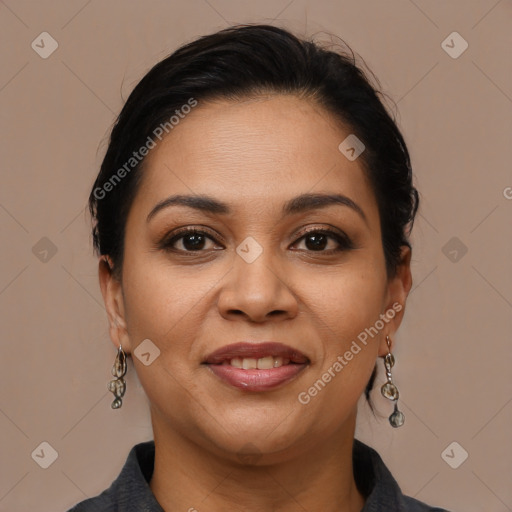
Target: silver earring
column 390, row 391
column 118, row 385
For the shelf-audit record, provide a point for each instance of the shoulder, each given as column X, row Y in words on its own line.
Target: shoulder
column 130, row 491
column 413, row 505
column 100, row 503
column 378, row 485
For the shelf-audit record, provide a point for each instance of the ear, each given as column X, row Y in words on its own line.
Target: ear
column 398, row 289
column 112, row 291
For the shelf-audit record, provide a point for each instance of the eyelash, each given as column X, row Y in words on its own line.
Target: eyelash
column 343, row 240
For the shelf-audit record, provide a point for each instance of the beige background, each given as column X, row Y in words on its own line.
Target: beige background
column 453, row 351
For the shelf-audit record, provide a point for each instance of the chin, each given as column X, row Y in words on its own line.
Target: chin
column 256, row 437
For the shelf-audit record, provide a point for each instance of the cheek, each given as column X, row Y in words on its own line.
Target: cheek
column 166, row 309
column 168, row 305
column 349, row 299
column 162, row 300
column 346, row 309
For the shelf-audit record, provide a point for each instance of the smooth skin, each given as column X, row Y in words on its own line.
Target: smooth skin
column 195, row 296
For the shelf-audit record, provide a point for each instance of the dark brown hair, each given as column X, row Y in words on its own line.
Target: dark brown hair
column 246, row 60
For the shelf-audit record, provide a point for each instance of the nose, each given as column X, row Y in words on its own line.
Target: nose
column 258, row 291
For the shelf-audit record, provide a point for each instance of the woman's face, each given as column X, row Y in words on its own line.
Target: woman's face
column 253, row 276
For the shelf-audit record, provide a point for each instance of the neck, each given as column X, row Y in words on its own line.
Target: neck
column 188, row 477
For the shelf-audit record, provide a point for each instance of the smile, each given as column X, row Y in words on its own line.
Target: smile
column 256, row 366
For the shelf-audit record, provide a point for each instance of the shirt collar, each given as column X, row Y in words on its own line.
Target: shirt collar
column 131, row 488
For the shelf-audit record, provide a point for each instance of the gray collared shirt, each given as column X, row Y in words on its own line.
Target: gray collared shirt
column 130, row 491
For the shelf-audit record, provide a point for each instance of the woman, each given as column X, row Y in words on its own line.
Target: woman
column 252, row 219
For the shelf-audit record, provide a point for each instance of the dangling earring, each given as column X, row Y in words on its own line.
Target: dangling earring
column 390, row 391
column 118, row 385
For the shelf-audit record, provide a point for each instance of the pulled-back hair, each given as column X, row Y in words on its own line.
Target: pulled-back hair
column 237, row 63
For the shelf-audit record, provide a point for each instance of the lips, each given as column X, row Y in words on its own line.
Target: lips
column 256, row 366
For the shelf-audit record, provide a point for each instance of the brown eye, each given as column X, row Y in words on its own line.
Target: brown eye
column 191, row 240
column 317, row 240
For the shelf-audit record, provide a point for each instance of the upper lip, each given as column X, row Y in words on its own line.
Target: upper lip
column 255, row 350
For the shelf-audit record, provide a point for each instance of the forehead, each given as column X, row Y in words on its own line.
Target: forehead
column 257, row 152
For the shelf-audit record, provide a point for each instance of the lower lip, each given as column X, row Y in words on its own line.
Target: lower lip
column 256, row 380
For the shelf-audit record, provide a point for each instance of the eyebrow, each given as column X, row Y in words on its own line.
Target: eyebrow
column 299, row 204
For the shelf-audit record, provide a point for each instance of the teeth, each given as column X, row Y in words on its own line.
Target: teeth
column 263, row 363
column 278, row 361
column 249, row 363
column 236, row 362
